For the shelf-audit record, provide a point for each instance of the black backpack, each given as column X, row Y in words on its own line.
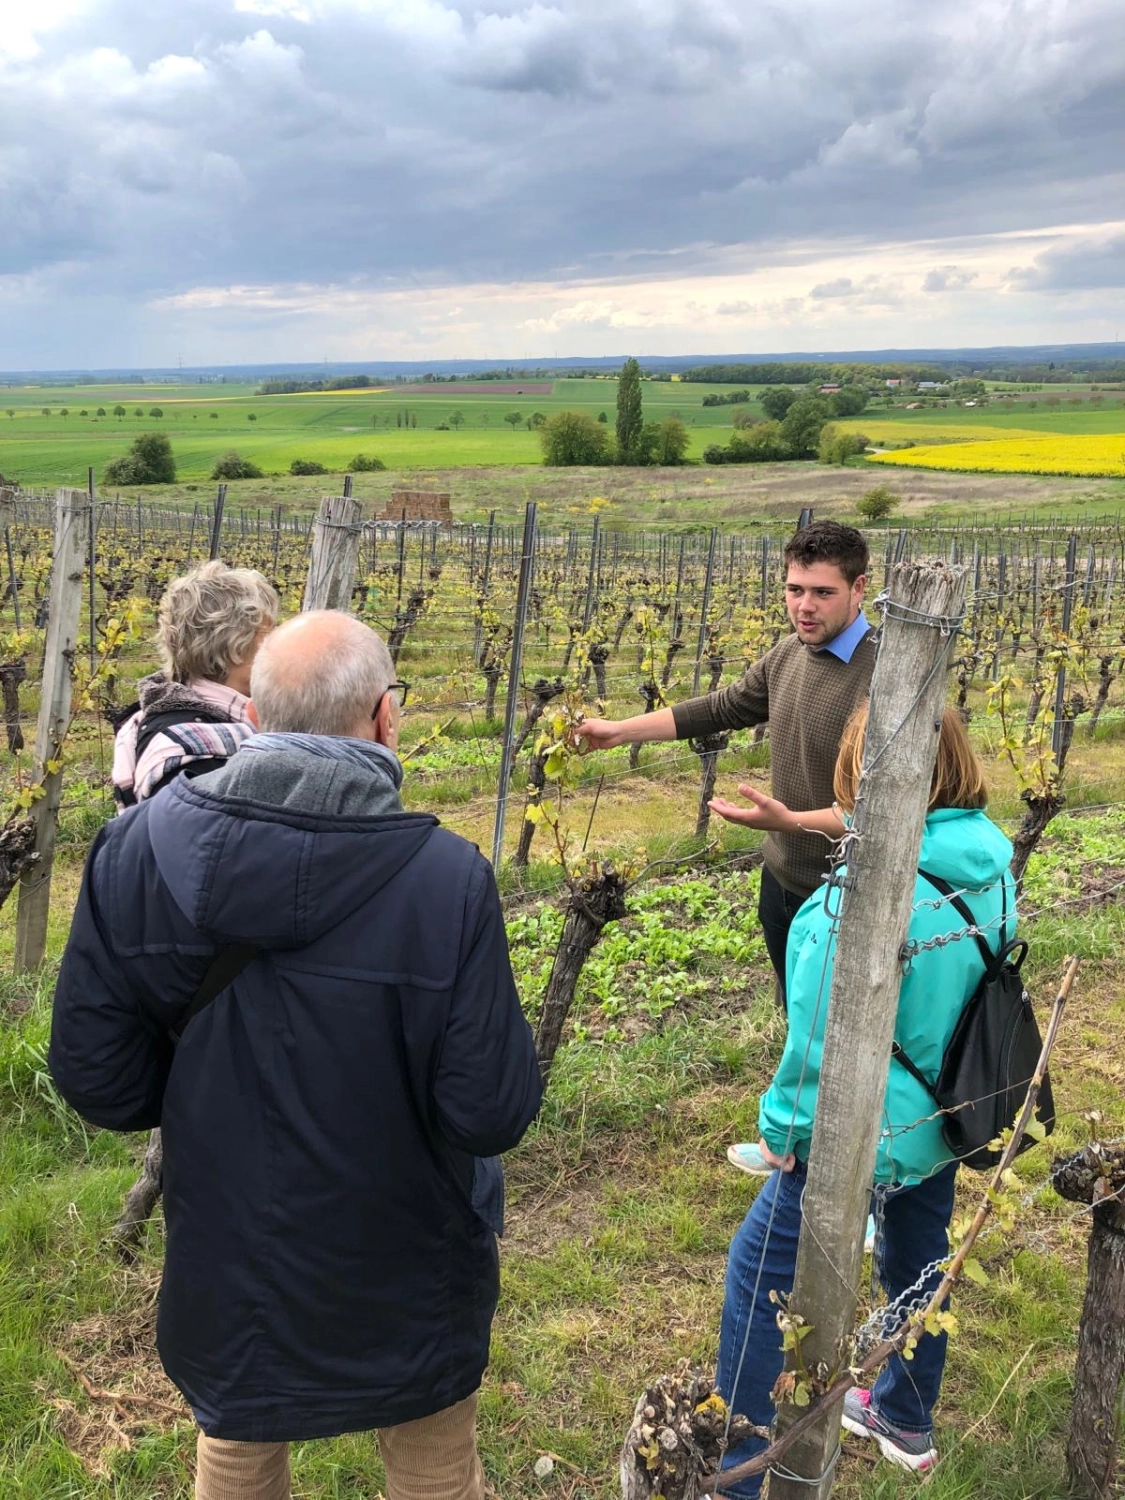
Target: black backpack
column 992, row 1054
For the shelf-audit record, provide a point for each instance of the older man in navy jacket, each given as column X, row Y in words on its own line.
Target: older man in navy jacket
column 330, row 1120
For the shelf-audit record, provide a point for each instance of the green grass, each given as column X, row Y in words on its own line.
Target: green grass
column 330, row 428
column 203, row 422
column 621, row 1208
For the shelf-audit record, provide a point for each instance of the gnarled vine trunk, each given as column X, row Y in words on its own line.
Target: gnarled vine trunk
column 1097, row 1175
column 594, row 902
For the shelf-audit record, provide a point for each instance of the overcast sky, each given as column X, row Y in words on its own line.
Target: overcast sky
column 242, row 180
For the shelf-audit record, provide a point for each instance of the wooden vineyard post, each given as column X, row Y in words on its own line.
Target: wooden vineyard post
column 704, row 610
column 72, row 518
column 523, row 594
column 335, row 554
column 483, row 593
column 7, row 515
column 922, row 613
column 217, row 524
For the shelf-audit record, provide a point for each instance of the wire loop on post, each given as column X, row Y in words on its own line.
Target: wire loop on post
column 783, row 1473
column 890, row 609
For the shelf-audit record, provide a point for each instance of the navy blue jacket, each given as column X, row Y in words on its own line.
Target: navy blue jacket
column 331, row 1262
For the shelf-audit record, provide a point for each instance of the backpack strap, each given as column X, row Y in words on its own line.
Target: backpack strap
column 153, row 724
column 962, row 910
column 225, row 968
column 912, row 1067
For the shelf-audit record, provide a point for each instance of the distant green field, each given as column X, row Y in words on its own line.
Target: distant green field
column 403, row 427
column 330, row 428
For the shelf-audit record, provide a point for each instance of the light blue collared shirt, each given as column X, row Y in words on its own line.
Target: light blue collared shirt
column 844, row 644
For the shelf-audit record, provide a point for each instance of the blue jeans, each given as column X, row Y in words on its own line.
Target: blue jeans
column 776, row 909
column 915, row 1222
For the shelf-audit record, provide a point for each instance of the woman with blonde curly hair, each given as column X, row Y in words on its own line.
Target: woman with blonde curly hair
column 192, row 715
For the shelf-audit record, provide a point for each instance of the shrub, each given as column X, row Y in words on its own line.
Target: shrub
column 233, row 466
column 715, row 453
column 763, row 443
column 366, row 463
column 306, row 466
column 877, row 503
column 665, row 442
column 836, row 447
column 149, row 461
column 571, row 437
column 123, row 471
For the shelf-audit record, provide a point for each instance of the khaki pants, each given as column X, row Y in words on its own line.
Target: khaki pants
column 434, row 1458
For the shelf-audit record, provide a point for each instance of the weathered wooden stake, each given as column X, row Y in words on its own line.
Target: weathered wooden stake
column 335, row 554
column 217, row 523
column 907, row 699
column 72, row 518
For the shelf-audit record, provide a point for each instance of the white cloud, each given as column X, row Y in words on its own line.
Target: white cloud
column 948, row 279
column 290, row 10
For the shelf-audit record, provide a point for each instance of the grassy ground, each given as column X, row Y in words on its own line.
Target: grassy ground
column 621, row 1210
column 622, row 1204
column 740, row 497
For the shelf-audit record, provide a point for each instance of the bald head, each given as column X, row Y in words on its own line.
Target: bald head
column 320, row 673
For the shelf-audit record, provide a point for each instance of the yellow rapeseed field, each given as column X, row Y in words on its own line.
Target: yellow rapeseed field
column 1103, row 453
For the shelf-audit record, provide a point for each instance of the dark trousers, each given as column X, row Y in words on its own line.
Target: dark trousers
column 763, row 1258
column 776, row 909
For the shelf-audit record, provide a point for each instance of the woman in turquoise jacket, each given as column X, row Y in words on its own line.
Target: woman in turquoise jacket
column 914, row 1174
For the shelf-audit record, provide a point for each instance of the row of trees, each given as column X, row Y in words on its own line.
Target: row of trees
column 571, row 437
column 803, row 430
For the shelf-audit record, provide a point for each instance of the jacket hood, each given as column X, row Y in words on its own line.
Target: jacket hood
column 275, row 850
column 964, row 847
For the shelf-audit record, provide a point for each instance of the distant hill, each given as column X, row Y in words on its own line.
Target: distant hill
column 1073, row 356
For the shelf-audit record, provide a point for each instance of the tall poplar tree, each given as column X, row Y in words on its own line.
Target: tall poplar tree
column 630, row 422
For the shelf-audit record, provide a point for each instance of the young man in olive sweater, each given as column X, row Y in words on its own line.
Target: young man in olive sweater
column 805, row 688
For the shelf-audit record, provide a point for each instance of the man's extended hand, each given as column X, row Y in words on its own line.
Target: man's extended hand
column 766, row 813
column 599, row 734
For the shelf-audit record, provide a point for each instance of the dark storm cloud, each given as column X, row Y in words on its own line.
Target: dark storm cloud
column 147, row 150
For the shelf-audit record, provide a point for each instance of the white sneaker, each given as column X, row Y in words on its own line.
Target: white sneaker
column 747, row 1157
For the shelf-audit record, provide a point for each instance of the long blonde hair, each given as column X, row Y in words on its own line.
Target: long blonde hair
column 958, row 779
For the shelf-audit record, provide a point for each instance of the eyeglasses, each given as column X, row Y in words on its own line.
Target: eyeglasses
column 401, row 688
